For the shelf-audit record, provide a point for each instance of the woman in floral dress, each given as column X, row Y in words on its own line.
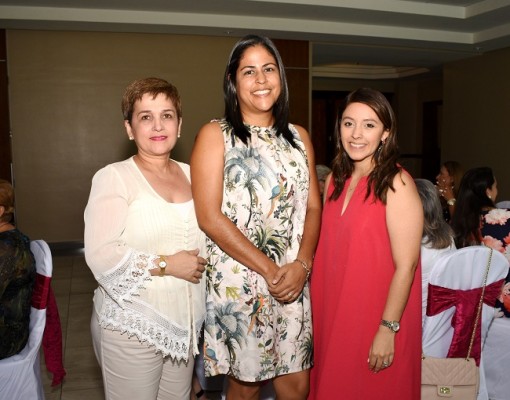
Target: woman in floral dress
column 257, row 199
column 478, row 221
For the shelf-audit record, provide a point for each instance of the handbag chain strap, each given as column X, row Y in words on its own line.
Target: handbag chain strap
column 480, row 304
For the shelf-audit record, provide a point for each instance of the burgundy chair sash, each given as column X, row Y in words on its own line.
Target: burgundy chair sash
column 465, row 303
column 40, row 291
column 44, row 298
column 52, row 341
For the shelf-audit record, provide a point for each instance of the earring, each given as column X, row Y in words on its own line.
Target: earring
column 179, row 134
column 131, row 138
column 489, row 196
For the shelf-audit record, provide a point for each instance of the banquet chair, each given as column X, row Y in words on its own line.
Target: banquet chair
column 496, row 353
column 461, row 274
column 503, row 204
column 20, row 374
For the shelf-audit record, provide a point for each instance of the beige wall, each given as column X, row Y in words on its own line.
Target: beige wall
column 476, row 110
column 65, row 90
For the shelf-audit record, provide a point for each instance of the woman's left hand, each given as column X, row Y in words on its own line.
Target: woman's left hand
column 382, row 351
column 288, row 282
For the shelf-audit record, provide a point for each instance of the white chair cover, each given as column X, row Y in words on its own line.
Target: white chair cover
column 496, row 354
column 462, row 269
column 20, row 375
column 503, row 204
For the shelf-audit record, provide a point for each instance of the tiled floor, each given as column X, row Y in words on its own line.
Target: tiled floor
column 73, row 285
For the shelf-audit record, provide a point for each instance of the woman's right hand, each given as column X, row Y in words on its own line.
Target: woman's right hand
column 186, row 264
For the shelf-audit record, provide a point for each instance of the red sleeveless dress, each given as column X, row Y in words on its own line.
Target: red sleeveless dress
column 352, row 272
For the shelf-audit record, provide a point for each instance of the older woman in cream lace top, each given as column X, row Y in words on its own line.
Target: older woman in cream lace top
column 143, row 244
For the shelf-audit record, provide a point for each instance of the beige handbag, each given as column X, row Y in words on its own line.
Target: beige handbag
column 453, row 378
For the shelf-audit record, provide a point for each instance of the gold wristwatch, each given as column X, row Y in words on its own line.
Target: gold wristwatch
column 162, row 266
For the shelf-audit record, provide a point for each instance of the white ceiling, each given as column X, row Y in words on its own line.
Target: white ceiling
column 403, row 34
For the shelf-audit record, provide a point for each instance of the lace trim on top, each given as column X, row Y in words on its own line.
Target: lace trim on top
column 126, row 280
column 138, row 319
column 123, row 312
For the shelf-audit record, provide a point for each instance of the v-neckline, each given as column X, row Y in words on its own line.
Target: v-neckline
column 154, row 190
column 345, row 206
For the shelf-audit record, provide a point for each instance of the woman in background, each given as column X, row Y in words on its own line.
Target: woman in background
column 143, row 244
column 322, row 173
column 17, row 277
column 437, row 234
column 448, row 183
column 477, row 220
column 366, row 292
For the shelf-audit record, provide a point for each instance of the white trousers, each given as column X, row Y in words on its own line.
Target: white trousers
column 133, row 370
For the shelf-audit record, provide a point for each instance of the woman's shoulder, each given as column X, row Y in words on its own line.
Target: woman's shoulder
column 12, row 241
column 402, row 179
column 118, row 166
column 114, row 172
column 298, row 130
column 214, row 128
column 184, row 166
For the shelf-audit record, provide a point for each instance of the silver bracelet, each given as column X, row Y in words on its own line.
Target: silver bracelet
column 306, row 267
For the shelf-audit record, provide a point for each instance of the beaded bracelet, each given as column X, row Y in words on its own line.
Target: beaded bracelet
column 306, row 267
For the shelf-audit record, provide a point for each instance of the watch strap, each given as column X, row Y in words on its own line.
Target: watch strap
column 162, row 266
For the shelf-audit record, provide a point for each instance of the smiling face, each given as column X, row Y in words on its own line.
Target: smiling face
column 154, row 125
column 361, row 133
column 258, row 85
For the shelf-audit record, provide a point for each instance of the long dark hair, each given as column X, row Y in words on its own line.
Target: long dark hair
column 385, row 158
column 232, row 110
column 456, row 171
column 471, row 200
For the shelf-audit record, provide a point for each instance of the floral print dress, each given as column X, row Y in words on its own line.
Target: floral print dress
column 248, row 334
column 495, row 230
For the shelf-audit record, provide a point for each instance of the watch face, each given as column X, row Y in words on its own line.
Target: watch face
column 162, row 264
column 393, row 325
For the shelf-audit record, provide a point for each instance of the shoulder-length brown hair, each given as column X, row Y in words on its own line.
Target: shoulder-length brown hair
column 385, row 158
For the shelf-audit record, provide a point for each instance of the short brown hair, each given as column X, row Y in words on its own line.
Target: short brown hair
column 153, row 86
column 6, row 200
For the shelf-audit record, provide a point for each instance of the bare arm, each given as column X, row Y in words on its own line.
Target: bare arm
column 314, row 207
column 295, row 275
column 404, row 219
column 207, row 164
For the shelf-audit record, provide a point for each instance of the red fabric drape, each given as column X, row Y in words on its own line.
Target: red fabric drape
column 40, row 292
column 43, row 297
column 463, row 320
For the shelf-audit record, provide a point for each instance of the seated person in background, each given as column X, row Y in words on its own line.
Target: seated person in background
column 322, row 172
column 478, row 221
column 17, row 276
column 437, row 234
column 448, row 182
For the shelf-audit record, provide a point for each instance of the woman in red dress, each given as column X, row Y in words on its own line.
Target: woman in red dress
column 366, row 287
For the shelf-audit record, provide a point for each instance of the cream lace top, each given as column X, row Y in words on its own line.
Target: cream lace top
column 127, row 224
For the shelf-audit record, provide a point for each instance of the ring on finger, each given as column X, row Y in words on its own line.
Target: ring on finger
column 385, row 364
column 289, row 294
